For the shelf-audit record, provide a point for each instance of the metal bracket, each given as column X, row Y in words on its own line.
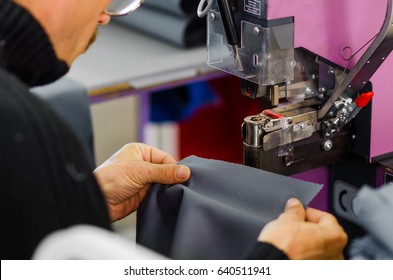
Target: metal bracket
column 343, row 196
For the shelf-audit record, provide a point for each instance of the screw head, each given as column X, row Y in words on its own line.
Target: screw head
column 256, row 118
column 327, row 145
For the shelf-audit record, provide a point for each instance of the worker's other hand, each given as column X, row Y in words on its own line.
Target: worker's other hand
column 125, row 177
column 305, row 234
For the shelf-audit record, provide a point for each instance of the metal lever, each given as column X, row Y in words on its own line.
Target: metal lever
column 367, row 65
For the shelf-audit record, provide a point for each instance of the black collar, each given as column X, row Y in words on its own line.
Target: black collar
column 25, row 49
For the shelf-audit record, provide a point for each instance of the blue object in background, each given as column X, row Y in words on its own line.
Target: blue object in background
column 179, row 103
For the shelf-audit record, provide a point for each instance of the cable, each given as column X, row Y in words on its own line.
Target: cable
column 203, row 12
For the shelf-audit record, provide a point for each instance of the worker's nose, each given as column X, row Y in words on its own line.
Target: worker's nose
column 104, row 19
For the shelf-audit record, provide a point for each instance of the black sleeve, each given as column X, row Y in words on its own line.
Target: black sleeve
column 266, row 251
column 46, row 181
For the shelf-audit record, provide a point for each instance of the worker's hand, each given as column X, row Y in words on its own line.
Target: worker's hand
column 305, row 234
column 126, row 176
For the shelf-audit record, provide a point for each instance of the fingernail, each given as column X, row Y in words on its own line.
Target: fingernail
column 181, row 172
column 292, row 202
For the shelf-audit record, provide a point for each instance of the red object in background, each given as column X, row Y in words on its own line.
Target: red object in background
column 214, row 130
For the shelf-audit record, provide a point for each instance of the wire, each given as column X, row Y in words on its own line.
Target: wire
column 347, row 59
column 203, row 12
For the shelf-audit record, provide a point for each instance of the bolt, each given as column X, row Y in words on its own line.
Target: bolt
column 322, row 89
column 212, row 16
column 303, row 125
column 256, row 30
column 295, row 128
column 327, row 145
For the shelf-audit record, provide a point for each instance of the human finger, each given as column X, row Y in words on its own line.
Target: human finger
column 319, row 217
column 164, row 173
column 154, row 155
column 294, row 210
column 334, row 234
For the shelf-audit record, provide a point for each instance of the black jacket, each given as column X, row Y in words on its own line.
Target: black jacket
column 46, row 182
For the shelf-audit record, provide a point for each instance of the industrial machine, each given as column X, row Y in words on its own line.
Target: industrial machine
column 316, row 64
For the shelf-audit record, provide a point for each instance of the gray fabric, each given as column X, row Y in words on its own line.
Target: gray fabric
column 368, row 248
column 218, row 213
column 181, row 31
column 178, row 7
column 70, row 100
column 374, row 208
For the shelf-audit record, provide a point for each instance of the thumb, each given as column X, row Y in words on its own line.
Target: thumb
column 295, row 209
column 166, row 173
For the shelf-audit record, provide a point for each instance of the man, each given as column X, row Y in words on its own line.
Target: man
column 45, row 180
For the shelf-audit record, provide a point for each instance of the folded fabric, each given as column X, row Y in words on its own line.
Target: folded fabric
column 218, row 213
column 368, row 248
column 374, row 209
column 178, row 7
column 181, row 31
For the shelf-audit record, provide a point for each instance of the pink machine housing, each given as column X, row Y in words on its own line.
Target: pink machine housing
column 336, row 30
column 330, row 28
column 339, row 31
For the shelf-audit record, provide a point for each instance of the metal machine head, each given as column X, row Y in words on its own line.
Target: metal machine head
column 310, row 101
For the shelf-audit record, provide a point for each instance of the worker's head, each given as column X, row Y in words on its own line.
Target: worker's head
column 72, row 24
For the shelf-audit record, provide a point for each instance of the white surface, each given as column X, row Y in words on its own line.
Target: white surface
column 121, row 55
column 86, row 242
column 163, row 135
column 115, row 123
